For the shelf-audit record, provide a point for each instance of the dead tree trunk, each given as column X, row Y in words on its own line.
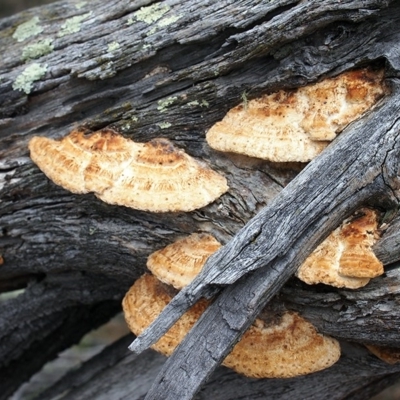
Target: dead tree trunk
column 172, row 69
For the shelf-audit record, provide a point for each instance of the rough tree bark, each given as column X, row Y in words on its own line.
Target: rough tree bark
column 172, row 70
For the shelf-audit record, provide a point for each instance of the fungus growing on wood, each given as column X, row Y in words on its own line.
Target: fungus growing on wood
column 289, row 348
column 345, row 258
column 178, row 263
column 144, row 302
column 389, row 355
column 297, row 125
column 293, row 347
column 153, row 176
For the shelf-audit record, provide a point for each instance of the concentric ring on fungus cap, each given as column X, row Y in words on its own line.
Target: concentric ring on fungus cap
column 178, row 263
column 345, row 258
column 296, row 125
column 290, row 348
column 154, row 176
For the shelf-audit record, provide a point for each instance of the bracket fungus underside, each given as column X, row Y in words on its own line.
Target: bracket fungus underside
column 153, row 176
column 284, row 349
column 296, row 125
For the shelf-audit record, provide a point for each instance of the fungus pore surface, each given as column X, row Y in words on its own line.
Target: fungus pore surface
column 154, row 176
column 296, row 125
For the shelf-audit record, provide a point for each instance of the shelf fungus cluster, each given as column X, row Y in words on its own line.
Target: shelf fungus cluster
column 153, row 176
column 287, row 346
column 345, row 258
column 296, row 125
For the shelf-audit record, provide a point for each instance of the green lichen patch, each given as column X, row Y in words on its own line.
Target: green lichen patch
column 164, row 125
column 165, row 103
column 168, row 20
column 32, row 73
column 151, row 31
column 80, row 5
column 113, row 46
column 194, row 103
column 151, row 13
column 27, row 29
column 73, row 24
column 38, row 49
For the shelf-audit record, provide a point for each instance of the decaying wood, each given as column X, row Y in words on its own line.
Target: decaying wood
column 303, row 206
column 175, row 80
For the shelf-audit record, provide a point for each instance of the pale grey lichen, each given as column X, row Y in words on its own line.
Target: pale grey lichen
column 80, row 5
column 38, row 49
column 113, row 46
column 32, row 73
column 164, row 125
column 204, row 103
column 73, row 24
column 27, row 29
column 168, row 20
column 151, row 31
column 151, row 13
column 163, row 104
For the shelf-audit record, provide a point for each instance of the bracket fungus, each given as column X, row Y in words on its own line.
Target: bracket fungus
column 178, row 263
column 153, row 176
column 296, row 125
column 389, row 355
column 345, row 258
column 289, row 348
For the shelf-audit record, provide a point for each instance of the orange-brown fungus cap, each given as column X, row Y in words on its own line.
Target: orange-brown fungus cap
column 296, row 125
column 290, row 348
column 153, row 176
column 144, row 302
column 178, row 263
column 345, row 257
column 389, row 355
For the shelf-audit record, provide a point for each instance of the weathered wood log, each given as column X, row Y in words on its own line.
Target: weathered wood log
column 356, row 376
column 173, row 75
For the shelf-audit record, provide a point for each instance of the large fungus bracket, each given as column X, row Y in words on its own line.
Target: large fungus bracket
column 360, row 167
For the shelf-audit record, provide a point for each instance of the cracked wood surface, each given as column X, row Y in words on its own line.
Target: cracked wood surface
column 175, row 81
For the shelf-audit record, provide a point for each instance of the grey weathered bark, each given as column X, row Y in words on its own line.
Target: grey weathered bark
column 110, row 66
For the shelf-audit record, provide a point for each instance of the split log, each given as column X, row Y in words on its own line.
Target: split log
column 173, row 75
